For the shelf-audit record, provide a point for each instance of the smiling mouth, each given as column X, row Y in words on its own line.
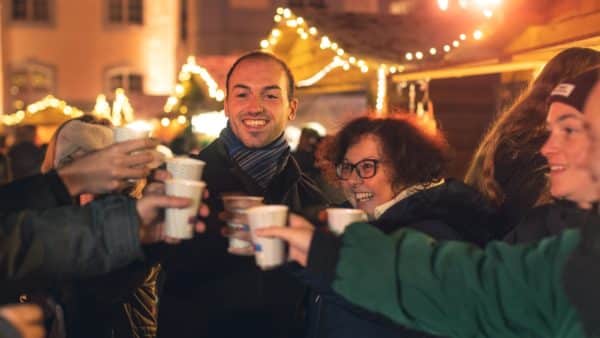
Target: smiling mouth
column 555, row 168
column 363, row 196
column 254, row 123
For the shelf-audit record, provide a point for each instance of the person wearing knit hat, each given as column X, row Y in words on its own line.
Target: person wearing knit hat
column 123, row 303
column 567, row 146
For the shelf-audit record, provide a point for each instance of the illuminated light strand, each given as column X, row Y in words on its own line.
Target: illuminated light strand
column 304, row 31
column 485, row 7
column 43, row 104
column 187, row 70
column 337, row 62
column 301, row 27
column 381, row 88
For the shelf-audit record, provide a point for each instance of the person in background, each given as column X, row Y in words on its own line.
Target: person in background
column 120, row 304
column 512, row 144
column 24, row 155
column 209, row 292
column 305, row 152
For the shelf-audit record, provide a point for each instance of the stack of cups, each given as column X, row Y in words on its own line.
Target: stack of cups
column 186, row 182
column 339, row 218
column 268, row 252
column 236, row 206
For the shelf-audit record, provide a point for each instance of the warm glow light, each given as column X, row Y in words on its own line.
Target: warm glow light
column 352, row 60
column 340, row 52
column 334, row 46
column 443, row 4
column 487, row 13
column 279, row 10
column 276, row 32
column 336, row 62
column 264, row 44
column 165, row 122
column 463, row 37
column 300, row 20
column 432, row 51
column 381, row 88
column 312, row 31
column 419, row 55
column 287, row 13
column 408, row 56
column 447, row 48
column 209, row 124
column 477, row 35
column 392, row 69
column 277, row 18
column 181, row 119
column 455, row 43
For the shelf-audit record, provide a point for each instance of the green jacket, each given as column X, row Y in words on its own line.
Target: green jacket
column 456, row 289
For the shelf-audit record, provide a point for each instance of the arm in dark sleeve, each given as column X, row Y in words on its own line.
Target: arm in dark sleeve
column 69, row 241
column 34, row 192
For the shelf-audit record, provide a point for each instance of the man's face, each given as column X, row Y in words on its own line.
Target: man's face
column 592, row 114
column 257, row 104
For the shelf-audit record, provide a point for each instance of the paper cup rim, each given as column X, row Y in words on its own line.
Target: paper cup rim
column 186, row 182
column 244, row 197
column 186, row 159
column 345, row 210
column 266, row 208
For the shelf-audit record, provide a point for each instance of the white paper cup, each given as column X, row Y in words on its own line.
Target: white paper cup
column 236, row 205
column 122, row 134
column 177, row 221
column 268, row 252
column 185, row 168
column 339, row 218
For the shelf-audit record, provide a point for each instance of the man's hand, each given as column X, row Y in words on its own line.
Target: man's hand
column 298, row 235
column 109, row 169
column 26, row 318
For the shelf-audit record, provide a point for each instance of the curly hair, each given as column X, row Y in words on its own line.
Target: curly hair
column 507, row 167
column 418, row 156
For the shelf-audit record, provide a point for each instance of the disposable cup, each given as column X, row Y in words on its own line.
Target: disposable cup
column 339, row 218
column 236, row 206
column 122, row 134
column 185, row 168
column 177, row 221
column 268, row 252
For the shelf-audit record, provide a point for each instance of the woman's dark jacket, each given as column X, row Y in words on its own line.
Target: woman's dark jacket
column 548, row 220
column 211, row 293
column 93, row 307
column 451, row 211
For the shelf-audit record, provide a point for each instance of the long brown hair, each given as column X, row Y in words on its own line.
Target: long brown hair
column 507, row 167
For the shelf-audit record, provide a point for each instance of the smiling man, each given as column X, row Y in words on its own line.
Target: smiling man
column 210, row 292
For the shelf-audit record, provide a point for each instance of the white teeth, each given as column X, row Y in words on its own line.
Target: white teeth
column 363, row 196
column 255, row 123
column 557, row 167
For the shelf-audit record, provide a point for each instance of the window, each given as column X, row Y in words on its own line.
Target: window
column 124, row 78
column 31, row 82
column 126, row 11
column 31, row 10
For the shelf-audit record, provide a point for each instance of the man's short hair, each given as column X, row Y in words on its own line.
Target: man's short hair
column 264, row 56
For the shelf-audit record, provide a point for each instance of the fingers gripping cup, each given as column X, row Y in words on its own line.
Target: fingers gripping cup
column 339, row 218
column 177, row 221
column 236, row 206
column 185, row 168
column 268, row 252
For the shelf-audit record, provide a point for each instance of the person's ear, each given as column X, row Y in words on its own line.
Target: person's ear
column 293, row 109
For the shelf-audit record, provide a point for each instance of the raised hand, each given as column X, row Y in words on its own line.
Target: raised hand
column 298, row 236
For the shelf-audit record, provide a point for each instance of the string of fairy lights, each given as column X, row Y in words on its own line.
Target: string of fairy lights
column 39, row 106
column 286, row 20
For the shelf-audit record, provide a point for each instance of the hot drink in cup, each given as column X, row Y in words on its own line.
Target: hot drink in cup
column 268, row 252
column 177, row 221
column 236, row 206
column 339, row 218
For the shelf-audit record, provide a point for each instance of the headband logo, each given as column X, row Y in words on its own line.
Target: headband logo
column 563, row 89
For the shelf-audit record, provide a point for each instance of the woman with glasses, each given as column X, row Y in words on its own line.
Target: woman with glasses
column 392, row 168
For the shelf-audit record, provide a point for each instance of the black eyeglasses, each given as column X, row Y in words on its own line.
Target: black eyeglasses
column 365, row 169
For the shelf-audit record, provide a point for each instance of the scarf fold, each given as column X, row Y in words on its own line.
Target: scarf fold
column 262, row 164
